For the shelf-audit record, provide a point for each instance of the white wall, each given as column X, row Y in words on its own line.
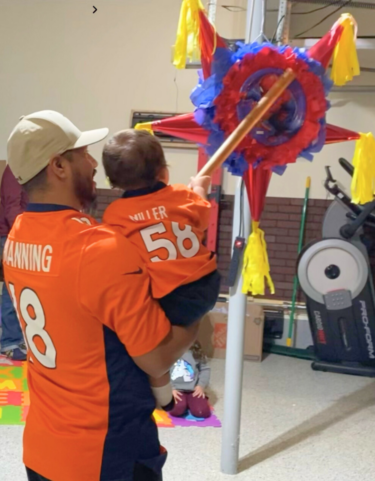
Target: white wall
column 96, row 68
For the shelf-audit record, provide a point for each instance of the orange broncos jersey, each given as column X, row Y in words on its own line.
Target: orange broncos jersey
column 82, row 297
column 166, row 223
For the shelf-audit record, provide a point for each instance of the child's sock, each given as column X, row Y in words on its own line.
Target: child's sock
column 164, row 397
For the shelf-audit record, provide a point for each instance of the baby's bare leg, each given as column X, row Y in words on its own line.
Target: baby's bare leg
column 161, row 381
column 162, row 390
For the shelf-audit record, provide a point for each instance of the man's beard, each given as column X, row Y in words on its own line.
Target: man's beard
column 85, row 192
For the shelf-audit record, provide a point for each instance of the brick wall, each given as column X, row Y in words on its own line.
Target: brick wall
column 105, row 197
column 224, row 248
column 280, row 220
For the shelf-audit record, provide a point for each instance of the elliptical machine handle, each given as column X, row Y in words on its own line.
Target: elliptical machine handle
column 347, row 231
column 329, row 183
column 347, row 166
column 329, row 174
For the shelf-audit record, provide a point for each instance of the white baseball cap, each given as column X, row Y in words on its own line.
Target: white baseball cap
column 38, row 137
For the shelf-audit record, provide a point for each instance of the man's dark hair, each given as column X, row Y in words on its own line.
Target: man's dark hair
column 39, row 182
column 133, row 159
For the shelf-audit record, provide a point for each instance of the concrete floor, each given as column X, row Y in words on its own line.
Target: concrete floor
column 297, row 425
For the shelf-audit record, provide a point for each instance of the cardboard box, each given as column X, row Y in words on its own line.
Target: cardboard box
column 213, row 332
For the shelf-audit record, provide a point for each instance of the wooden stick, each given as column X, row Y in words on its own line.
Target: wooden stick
column 248, row 123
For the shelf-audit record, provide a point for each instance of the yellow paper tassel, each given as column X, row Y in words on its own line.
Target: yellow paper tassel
column 187, row 42
column 363, row 183
column 345, row 60
column 145, row 126
column 256, row 267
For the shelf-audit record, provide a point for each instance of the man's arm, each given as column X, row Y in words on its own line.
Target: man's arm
column 11, row 197
column 115, row 287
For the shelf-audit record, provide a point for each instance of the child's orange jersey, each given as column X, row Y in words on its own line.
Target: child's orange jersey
column 82, row 295
column 166, row 223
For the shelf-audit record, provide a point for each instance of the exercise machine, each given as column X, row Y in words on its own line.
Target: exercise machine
column 335, row 275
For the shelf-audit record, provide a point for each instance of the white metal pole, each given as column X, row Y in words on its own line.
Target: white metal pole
column 283, row 21
column 212, row 7
column 237, row 308
column 235, row 350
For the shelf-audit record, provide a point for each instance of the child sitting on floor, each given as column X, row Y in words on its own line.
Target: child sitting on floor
column 190, row 377
column 166, row 223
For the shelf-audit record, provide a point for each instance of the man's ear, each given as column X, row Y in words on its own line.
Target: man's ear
column 58, row 166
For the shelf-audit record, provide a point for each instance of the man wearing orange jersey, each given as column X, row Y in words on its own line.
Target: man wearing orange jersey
column 92, row 329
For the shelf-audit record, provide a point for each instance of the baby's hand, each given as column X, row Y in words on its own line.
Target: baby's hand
column 200, row 185
column 203, row 182
column 199, row 392
column 177, row 395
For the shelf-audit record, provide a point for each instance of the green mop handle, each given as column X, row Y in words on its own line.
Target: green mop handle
column 300, row 244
